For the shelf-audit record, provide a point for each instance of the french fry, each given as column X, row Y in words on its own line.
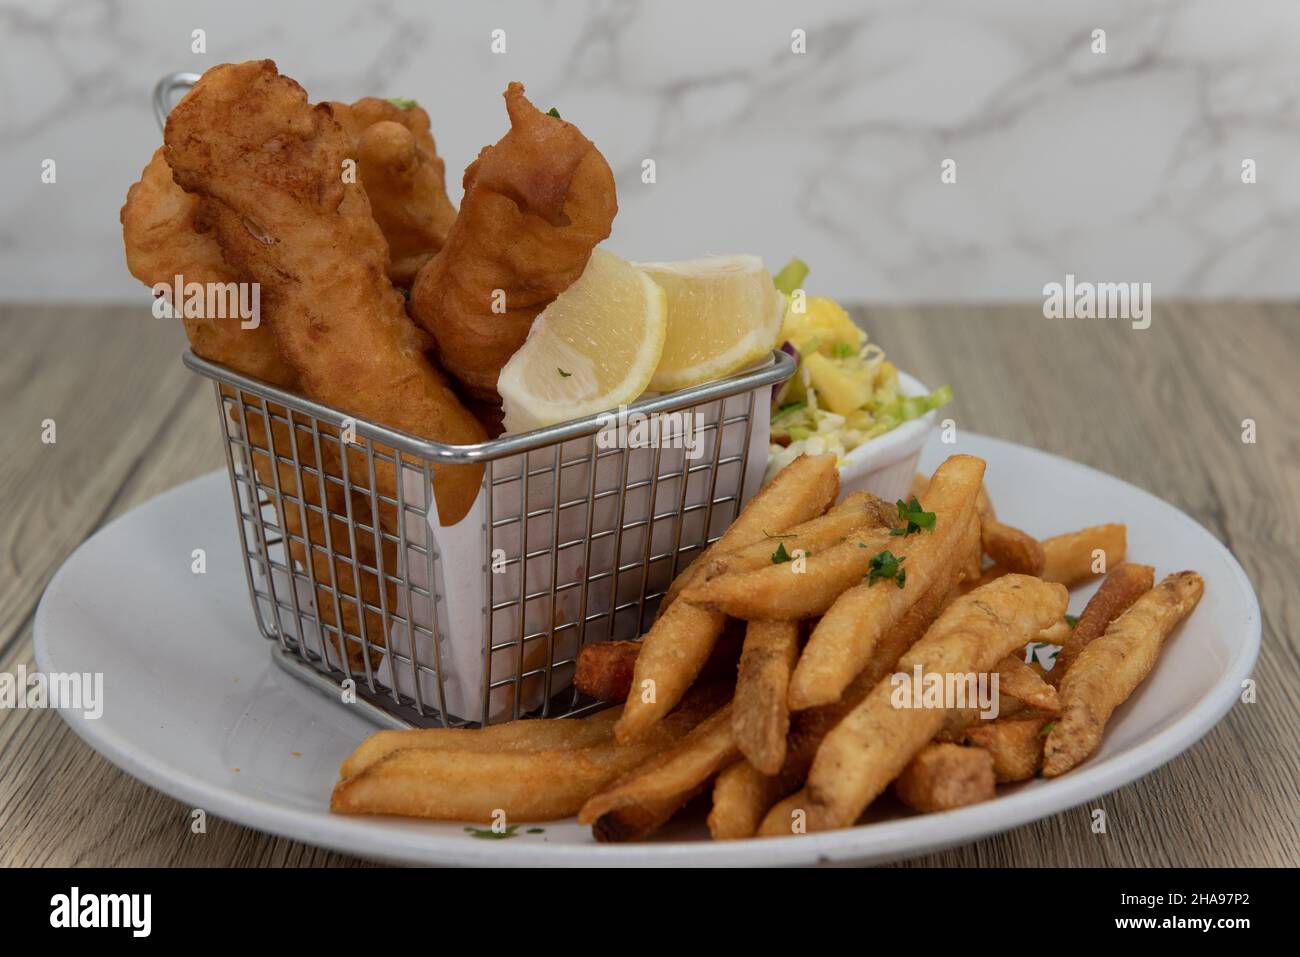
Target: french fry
column 1109, row 669
column 803, row 489
column 604, row 670
column 1017, row 679
column 526, row 735
column 645, row 798
column 946, row 776
column 959, row 720
column 842, row 642
column 672, row 654
column 760, row 717
column 675, row 648
column 875, row 741
column 1011, row 549
column 786, row 591
column 1078, row 556
column 1015, row 745
column 856, row 513
column 1125, row 584
column 529, row 785
column 741, row 796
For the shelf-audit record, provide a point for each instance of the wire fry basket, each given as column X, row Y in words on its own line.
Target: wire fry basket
column 576, row 533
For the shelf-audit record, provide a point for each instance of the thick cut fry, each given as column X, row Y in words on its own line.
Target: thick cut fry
column 806, row 487
column 1125, row 584
column 246, row 140
column 548, row 734
column 536, row 203
column 528, row 785
column 842, row 642
column 1012, row 549
column 946, row 776
column 679, row 643
column 759, row 715
column 604, row 670
column 859, row 513
column 1109, row 669
column 1015, row 745
column 1078, row 556
column 648, row 796
column 875, row 741
column 741, row 796
column 1017, row 679
column 672, row 654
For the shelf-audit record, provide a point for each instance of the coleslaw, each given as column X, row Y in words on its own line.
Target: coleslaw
column 845, row 391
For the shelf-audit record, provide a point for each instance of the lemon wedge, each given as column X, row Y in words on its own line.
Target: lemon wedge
column 594, row 348
column 724, row 313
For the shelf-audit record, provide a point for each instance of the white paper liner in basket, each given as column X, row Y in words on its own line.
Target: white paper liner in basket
column 462, row 559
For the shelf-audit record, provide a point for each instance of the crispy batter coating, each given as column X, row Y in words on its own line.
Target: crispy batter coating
column 166, row 236
column 272, row 165
column 535, row 206
column 404, row 177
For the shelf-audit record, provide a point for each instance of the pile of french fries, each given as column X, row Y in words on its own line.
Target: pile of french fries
column 768, row 674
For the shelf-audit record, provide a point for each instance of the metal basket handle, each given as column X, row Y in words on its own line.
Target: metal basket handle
column 165, row 89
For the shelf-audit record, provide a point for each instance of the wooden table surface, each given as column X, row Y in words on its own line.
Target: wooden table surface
column 1161, row 408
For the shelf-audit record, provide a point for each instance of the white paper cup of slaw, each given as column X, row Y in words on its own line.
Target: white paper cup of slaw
column 885, row 465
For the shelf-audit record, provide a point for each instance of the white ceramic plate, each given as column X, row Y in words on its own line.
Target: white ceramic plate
column 195, row 708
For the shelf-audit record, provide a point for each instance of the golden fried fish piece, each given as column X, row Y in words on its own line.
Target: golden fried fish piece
column 404, row 177
column 535, row 206
column 166, row 236
column 272, row 166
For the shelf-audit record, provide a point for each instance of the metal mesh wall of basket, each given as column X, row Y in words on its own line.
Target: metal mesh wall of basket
column 576, row 533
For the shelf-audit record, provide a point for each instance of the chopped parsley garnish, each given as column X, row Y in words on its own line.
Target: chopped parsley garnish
column 563, row 374
column 487, row 834
column 553, row 112
column 1071, row 620
column 402, row 103
column 1046, row 729
column 886, row 566
column 780, row 555
column 536, row 830
column 914, row 517
column 842, row 350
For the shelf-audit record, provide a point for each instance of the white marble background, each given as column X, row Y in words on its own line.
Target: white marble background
column 1116, row 167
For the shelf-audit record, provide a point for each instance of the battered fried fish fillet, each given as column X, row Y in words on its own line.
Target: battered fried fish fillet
column 246, row 139
column 404, row 177
column 535, row 205
column 166, row 235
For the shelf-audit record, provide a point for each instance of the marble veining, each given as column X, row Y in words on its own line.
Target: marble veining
column 1123, row 166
